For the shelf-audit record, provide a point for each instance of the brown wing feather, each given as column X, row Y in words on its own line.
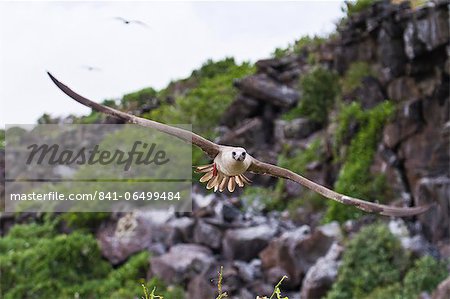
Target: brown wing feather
column 269, row 169
column 210, row 148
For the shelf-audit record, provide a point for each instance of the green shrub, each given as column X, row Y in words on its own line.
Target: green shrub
column 354, row 75
column 354, row 177
column 2, row 139
column 305, row 42
column 425, row 275
column 352, row 7
column 38, row 263
column 136, row 99
column 373, row 257
column 88, row 220
column 319, row 89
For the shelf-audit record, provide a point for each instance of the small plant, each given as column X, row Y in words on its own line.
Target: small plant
column 354, row 75
column 221, row 294
column 319, row 89
column 151, row 295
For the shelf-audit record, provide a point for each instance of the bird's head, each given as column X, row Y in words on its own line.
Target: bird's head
column 238, row 154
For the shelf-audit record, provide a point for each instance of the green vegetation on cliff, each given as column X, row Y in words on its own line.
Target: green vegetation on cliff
column 374, row 266
column 2, row 139
column 354, row 178
column 319, row 89
column 67, row 266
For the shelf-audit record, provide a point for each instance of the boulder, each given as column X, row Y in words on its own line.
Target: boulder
column 200, row 287
column 207, row 235
column 180, row 230
column 442, row 290
column 407, row 122
column 426, row 33
column 295, row 129
column 292, row 254
column 321, row 276
column 132, row 233
column 181, row 263
column 243, row 107
column 246, row 243
column 263, row 88
column 403, row 89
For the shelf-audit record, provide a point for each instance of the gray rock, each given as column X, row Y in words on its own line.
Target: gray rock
column 132, row 233
column 180, row 230
column 427, row 33
column 293, row 253
column 332, row 229
column 436, row 221
column 181, row 263
column 208, row 235
column 246, row 243
column 321, row 276
column 200, row 287
column 442, row 290
column 403, row 89
column 263, row 88
column 298, row 128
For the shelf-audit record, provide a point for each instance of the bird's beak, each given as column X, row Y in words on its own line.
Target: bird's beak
column 241, row 157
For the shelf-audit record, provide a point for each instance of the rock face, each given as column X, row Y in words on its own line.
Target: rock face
column 435, row 191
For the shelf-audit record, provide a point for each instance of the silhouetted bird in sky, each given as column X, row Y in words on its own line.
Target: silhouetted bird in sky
column 128, row 22
column 91, row 68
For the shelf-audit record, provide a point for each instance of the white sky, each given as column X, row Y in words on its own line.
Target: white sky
column 62, row 37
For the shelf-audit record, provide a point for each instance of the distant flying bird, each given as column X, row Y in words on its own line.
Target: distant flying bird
column 230, row 163
column 129, row 22
column 91, row 68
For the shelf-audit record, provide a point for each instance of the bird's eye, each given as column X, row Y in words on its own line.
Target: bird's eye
column 233, row 153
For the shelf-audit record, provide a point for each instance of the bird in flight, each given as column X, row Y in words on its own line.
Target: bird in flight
column 91, row 68
column 230, row 163
column 129, row 22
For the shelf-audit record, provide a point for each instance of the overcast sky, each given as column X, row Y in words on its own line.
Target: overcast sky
column 65, row 37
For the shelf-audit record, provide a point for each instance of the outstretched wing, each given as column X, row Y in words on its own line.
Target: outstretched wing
column 210, row 148
column 269, row 169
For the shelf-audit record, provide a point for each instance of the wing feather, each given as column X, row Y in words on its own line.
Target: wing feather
column 210, row 148
column 269, row 169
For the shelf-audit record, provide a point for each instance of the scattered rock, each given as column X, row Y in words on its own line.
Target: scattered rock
column 320, row 277
column 292, row 254
column 181, row 263
column 207, row 235
column 132, row 233
column 246, row 243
